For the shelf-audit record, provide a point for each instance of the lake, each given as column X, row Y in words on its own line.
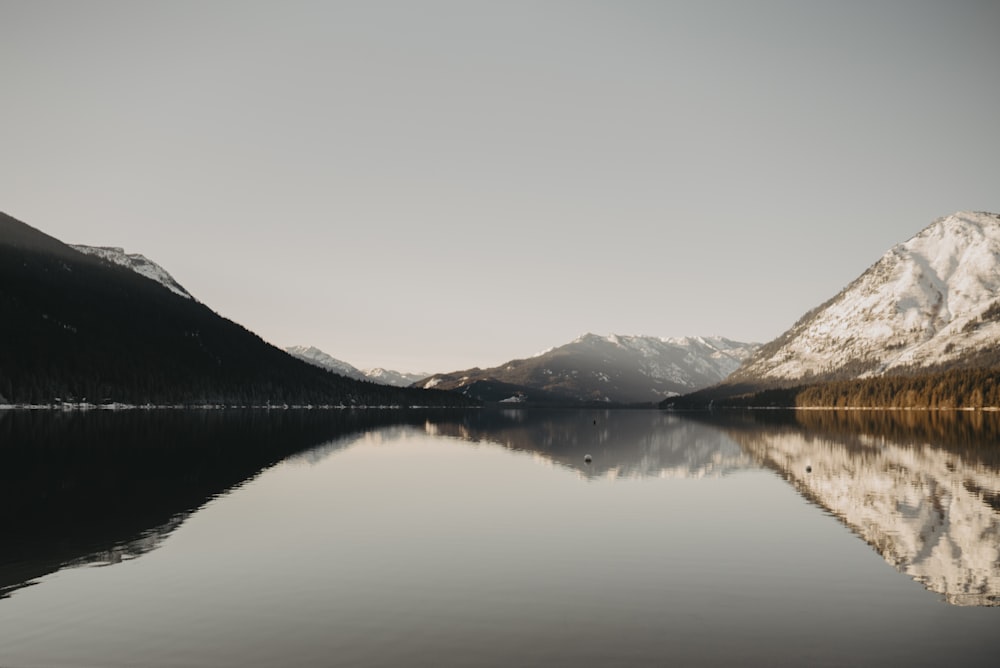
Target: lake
column 486, row 538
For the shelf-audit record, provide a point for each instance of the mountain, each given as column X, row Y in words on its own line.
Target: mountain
column 932, row 302
column 81, row 326
column 378, row 375
column 607, row 369
column 317, row 357
column 140, row 264
column 395, row 378
column 919, row 328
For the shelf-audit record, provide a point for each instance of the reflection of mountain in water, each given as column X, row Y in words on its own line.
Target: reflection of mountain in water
column 932, row 512
column 621, row 443
column 100, row 487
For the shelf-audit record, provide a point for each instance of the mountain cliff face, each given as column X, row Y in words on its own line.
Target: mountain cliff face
column 314, row 355
column 612, row 369
column 932, row 302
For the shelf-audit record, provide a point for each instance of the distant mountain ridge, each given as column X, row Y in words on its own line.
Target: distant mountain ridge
column 314, row 355
column 606, row 369
column 930, row 302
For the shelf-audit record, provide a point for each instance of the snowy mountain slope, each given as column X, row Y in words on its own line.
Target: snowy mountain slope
column 137, row 263
column 378, row 375
column 395, row 378
column 932, row 301
column 621, row 369
column 321, row 359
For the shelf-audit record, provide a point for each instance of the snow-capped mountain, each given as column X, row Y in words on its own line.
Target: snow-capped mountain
column 619, row 369
column 321, row 359
column 930, row 302
column 390, row 377
column 378, row 375
column 140, row 264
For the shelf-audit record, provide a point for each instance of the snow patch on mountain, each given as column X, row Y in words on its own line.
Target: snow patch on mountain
column 140, row 264
column 932, row 300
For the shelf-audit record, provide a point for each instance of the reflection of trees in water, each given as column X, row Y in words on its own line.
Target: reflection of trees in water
column 622, row 443
column 930, row 511
column 102, row 486
column 973, row 434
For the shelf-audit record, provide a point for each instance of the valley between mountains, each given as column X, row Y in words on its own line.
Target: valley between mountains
column 920, row 328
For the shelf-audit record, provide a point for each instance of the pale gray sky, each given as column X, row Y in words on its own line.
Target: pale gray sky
column 432, row 185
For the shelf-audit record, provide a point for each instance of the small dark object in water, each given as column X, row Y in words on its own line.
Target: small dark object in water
column 809, row 469
column 588, row 458
column 595, row 421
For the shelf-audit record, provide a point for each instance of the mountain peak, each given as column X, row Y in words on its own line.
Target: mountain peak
column 929, row 301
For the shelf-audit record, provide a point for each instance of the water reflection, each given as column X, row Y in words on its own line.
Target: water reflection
column 921, row 488
column 102, row 487
column 621, row 443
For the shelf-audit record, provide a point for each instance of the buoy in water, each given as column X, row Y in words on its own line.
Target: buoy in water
column 588, row 458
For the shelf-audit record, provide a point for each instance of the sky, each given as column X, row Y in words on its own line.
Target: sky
column 431, row 185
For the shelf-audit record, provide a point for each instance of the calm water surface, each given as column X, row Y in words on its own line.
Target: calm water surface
column 484, row 539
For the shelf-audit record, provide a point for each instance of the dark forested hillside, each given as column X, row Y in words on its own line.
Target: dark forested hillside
column 75, row 327
column 952, row 388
